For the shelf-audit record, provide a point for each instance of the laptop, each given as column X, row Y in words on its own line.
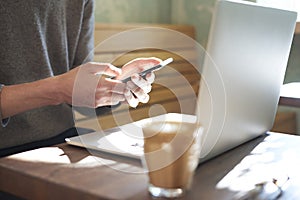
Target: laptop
column 247, row 55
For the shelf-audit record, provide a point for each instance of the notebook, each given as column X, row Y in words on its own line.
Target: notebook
column 247, row 55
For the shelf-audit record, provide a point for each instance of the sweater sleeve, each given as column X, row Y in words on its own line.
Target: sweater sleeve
column 85, row 47
column 3, row 122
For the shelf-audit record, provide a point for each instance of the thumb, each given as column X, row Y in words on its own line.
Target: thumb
column 111, row 70
column 103, row 68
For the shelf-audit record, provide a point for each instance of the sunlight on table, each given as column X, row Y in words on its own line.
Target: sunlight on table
column 55, row 155
column 264, row 164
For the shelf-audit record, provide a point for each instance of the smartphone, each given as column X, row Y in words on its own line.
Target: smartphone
column 147, row 71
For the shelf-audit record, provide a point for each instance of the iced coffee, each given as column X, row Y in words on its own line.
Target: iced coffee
column 171, row 155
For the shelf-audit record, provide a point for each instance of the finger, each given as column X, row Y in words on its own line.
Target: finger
column 110, row 85
column 144, row 63
column 139, row 93
column 150, row 77
column 111, row 70
column 103, row 68
column 138, row 65
column 131, row 100
column 109, row 99
column 144, row 98
column 116, row 98
column 117, row 86
column 141, row 83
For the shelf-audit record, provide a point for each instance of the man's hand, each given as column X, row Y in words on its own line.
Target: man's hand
column 84, row 86
column 138, row 88
column 88, row 85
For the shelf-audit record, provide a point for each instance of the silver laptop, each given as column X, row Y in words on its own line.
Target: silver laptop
column 242, row 73
column 249, row 46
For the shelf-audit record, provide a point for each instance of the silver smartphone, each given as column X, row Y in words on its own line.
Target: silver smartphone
column 147, row 71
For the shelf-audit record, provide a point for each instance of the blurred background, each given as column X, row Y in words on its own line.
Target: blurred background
column 193, row 12
column 197, row 13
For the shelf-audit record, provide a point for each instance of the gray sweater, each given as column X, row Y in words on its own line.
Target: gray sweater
column 39, row 39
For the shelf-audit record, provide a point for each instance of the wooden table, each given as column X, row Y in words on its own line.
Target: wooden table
column 290, row 94
column 67, row 172
column 297, row 29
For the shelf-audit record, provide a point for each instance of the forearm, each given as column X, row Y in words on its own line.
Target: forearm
column 19, row 98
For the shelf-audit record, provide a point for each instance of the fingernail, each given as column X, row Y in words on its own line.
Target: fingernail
column 145, row 98
column 148, row 89
column 134, row 104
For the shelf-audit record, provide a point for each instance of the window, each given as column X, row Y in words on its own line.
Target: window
column 283, row 4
